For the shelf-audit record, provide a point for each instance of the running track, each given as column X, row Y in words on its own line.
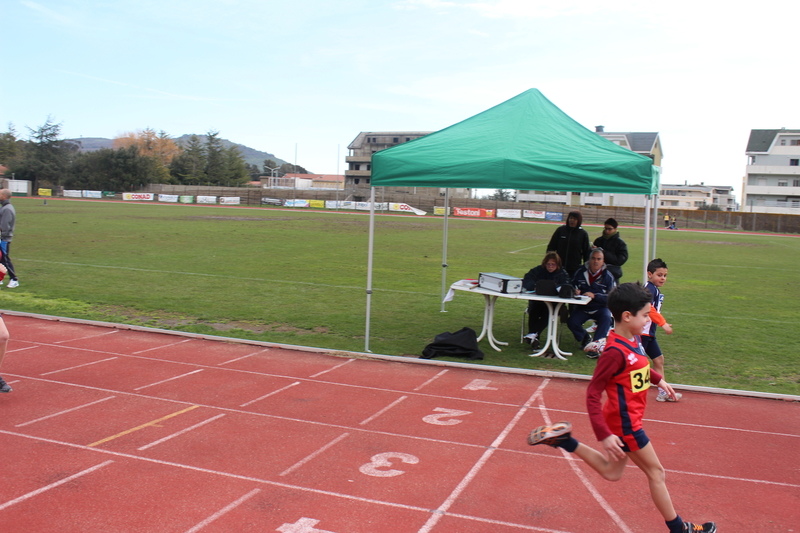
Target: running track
column 132, row 430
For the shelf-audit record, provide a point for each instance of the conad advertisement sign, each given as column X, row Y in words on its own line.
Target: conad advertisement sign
column 138, row 196
column 473, row 212
column 406, row 208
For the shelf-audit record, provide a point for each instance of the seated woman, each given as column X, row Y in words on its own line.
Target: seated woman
column 538, row 313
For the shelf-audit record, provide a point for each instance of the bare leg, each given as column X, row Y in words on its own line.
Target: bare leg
column 3, row 339
column 610, row 470
column 658, row 365
column 647, row 460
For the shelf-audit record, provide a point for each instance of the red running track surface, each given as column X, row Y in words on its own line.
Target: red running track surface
column 117, row 430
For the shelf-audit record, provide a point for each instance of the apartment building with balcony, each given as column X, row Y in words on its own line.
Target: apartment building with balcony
column 772, row 181
column 697, row 196
column 359, row 164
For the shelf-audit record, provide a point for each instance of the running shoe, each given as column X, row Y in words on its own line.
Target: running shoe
column 13, row 283
column 664, row 397
column 4, row 387
column 592, row 328
column 595, row 346
column 551, row 435
column 708, row 527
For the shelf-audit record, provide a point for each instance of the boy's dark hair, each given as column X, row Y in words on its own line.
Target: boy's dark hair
column 631, row 297
column 655, row 264
column 611, row 222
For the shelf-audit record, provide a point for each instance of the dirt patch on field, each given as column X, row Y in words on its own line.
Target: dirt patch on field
column 164, row 320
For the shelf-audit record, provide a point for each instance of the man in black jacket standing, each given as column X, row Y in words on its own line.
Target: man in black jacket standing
column 614, row 248
column 571, row 243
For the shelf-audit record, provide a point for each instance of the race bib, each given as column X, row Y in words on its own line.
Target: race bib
column 640, row 379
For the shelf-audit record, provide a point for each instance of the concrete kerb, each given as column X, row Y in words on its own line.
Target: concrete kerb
column 394, row 358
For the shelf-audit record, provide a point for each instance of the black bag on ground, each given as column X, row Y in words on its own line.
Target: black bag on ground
column 462, row 343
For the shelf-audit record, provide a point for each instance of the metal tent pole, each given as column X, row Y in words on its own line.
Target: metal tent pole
column 444, row 247
column 369, row 264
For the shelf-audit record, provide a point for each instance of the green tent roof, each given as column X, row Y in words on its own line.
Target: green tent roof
column 524, row 143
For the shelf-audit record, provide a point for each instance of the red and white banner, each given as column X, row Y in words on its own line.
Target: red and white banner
column 532, row 214
column 473, row 212
column 138, row 196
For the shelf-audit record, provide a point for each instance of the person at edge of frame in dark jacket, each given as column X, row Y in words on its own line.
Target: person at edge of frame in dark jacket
column 571, row 243
column 614, row 248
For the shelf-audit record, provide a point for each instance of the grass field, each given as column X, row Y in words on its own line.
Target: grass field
column 300, row 277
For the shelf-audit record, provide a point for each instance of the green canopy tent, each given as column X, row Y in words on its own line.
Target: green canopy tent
column 524, row 143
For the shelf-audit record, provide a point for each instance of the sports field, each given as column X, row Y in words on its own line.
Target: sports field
column 299, row 278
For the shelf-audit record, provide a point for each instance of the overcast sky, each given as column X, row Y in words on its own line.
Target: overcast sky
column 307, row 76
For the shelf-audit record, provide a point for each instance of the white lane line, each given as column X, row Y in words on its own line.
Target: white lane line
column 333, row 368
column 53, row 485
column 528, row 248
column 88, row 337
column 379, row 413
column 167, row 380
column 62, row 412
column 315, row 454
column 437, row 376
column 78, row 366
column 243, row 357
column 181, row 432
column 25, row 348
column 586, row 483
column 270, row 394
column 442, row 510
column 162, row 346
column 231, row 506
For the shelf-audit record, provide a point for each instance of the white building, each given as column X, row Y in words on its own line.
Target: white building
column 772, row 181
column 697, row 196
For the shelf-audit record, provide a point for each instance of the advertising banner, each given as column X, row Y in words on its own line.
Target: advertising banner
column 296, row 203
column 440, row 210
column 230, row 200
column 319, row 204
column 528, row 213
column 72, row 194
column 92, row 194
column 109, row 194
column 172, row 198
column 407, row 208
column 206, row 199
column 45, row 192
column 137, row 196
column 553, row 216
column 379, row 206
column 473, row 212
column 509, row 213
column 271, row 201
column 186, row 199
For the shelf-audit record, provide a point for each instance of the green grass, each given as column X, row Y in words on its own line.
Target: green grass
column 300, row 278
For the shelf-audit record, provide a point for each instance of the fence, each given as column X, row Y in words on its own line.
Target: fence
column 592, row 214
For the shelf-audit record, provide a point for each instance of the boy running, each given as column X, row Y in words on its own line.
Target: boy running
column 656, row 277
column 623, row 373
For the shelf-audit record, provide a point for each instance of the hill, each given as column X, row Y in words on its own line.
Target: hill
column 251, row 155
